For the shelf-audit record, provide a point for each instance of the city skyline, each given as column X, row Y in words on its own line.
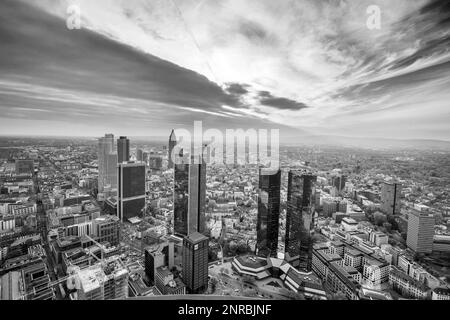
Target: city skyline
column 321, row 70
column 224, row 150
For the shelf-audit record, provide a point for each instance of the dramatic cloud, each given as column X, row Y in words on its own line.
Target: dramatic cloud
column 311, row 65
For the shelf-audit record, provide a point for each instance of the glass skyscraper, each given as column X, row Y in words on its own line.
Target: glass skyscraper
column 268, row 211
column 300, row 218
column 131, row 190
column 107, row 162
column 172, row 143
column 123, row 149
column 189, row 196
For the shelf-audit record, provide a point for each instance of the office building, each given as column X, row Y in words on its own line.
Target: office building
column 104, row 281
column 407, row 286
column 106, row 228
column 24, row 166
column 338, row 181
column 107, row 163
column 123, row 150
column 268, row 212
column 390, row 197
column 139, row 155
column 189, row 196
column 131, row 190
column 167, row 284
column 155, row 162
column 300, row 219
column 172, row 143
column 195, row 262
column 158, row 255
column 420, row 231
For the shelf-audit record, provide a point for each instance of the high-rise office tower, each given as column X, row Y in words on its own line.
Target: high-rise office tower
column 172, row 143
column 139, row 155
column 189, row 194
column 158, row 255
column 155, row 162
column 268, row 211
column 300, row 219
column 338, row 181
column 105, row 151
column 390, row 197
column 420, row 231
column 123, row 150
column 195, row 262
column 131, row 190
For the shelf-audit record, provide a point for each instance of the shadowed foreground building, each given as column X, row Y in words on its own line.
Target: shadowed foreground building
column 268, row 212
column 131, row 190
column 195, row 262
column 300, row 219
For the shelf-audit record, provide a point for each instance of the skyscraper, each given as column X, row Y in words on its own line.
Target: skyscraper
column 189, row 194
column 172, row 143
column 123, row 150
column 131, row 190
column 338, row 181
column 390, row 197
column 195, row 262
column 420, row 231
column 268, row 211
column 139, row 155
column 107, row 162
column 300, row 218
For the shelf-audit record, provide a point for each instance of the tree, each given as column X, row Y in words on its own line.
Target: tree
column 387, row 226
column 248, row 279
column 212, row 284
column 232, row 247
column 339, row 296
column 242, row 248
column 293, row 295
column 379, row 218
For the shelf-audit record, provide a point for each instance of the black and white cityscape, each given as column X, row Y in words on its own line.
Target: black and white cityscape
column 224, row 150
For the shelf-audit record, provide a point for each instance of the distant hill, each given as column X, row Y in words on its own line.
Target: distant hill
column 369, row 143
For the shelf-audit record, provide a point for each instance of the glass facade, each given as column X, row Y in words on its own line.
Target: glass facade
column 133, row 181
column 300, row 219
column 268, row 212
column 123, row 149
column 181, row 198
column 189, row 198
column 131, row 193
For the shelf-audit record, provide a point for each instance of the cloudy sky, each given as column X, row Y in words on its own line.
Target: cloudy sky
column 142, row 67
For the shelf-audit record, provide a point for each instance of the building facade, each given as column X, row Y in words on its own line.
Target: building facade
column 420, row 232
column 300, row 219
column 195, row 262
column 268, row 212
column 131, row 190
column 390, row 197
column 189, row 196
column 123, row 150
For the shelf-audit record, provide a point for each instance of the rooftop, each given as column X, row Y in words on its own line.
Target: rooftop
column 196, row 237
column 251, row 261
